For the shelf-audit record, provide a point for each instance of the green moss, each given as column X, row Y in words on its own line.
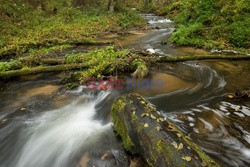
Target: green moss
column 202, row 57
column 201, row 154
column 162, row 147
column 141, row 69
column 30, row 24
column 210, row 24
column 120, row 127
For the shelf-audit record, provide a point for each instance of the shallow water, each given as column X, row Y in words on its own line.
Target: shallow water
column 43, row 125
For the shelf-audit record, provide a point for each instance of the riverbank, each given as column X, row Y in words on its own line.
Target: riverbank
column 221, row 25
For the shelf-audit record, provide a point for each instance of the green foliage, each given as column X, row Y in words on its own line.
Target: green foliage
column 5, row 66
column 130, row 18
column 101, row 61
column 32, row 59
column 211, row 23
column 141, row 68
column 240, row 33
column 25, row 25
column 188, row 35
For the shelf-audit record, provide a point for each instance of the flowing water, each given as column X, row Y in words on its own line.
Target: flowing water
column 43, row 125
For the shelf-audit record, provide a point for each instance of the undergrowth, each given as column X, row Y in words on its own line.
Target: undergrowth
column 23, row 26
column 107, row 62
column 210, row 24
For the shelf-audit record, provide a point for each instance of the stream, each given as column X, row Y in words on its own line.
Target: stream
column 43, row 125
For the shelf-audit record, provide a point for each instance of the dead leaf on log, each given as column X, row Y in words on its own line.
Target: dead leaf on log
column 180, row 146
column 158, row 128
column 161, row 119
column 179, row 135
column 187, row 137
column 187, row 158
column 171, row 127
column 195, row 157
column 152, row 116
column 175, row 145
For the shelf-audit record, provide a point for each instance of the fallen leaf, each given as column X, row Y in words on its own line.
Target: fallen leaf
column 152, row 116
column 22, row 109
column 187, row 137
column 146, row 125
column 158, row 128
column 179, row 135
column 195, row 157
column 170, row 127
column 180, row 146
column 187, row 158
column 175, row 145
column 230, row 96
column 161, row 119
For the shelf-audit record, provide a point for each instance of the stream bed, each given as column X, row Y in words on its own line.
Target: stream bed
column 43, row 125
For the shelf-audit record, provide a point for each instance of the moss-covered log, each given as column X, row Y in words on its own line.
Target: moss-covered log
column 156, row 140
column 52, row 61
column 48, row 43
column 42, row 69
column 163, row 59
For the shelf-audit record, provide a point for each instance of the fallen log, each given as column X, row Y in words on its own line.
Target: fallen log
column 42, row 69
column 163, row 59
column 156, row 140
column 48, row 43
column 52, row 61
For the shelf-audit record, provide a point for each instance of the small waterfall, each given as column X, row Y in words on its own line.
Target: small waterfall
column 53, row 138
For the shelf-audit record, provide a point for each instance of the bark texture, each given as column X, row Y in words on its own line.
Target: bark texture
column 156, row 140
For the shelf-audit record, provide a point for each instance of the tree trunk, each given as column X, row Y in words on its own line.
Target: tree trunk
column 38, row 70
column 156, row 140
column 114, row 6
column 111, row 6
